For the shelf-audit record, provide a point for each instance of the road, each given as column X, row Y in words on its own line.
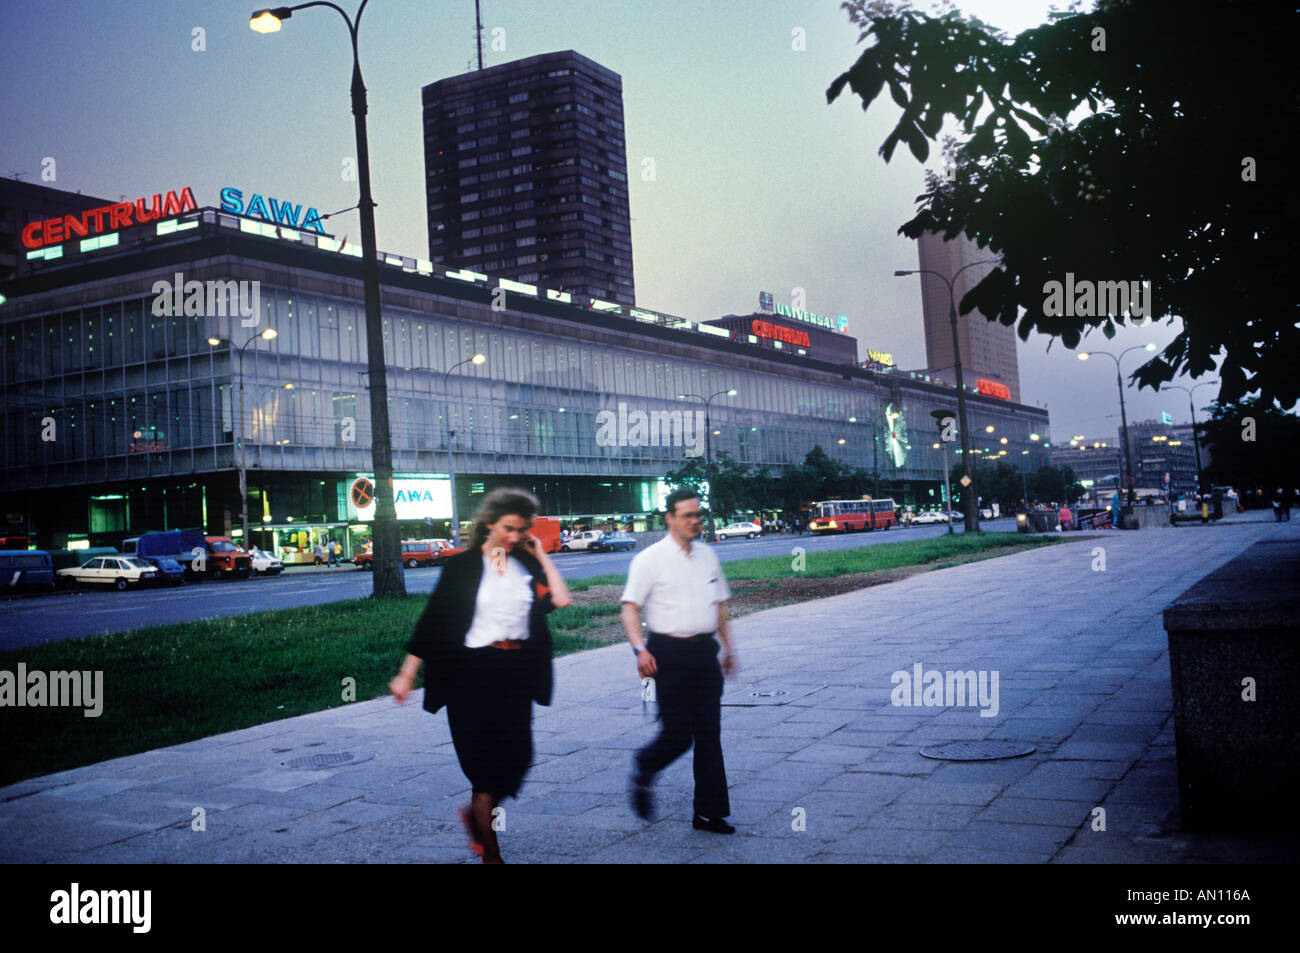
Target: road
column 35, row 620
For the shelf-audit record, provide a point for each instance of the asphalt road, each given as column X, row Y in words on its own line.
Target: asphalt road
column 35, row 620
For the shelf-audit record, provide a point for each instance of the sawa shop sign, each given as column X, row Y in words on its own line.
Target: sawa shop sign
column 270, row 210
column 415, row 498
column 106, row 218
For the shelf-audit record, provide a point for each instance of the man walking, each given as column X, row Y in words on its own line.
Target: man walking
column 678, row 583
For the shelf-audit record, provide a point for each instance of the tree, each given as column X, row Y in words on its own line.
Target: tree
column 1179, row 174
column 1057, row 484
column 1254, row 445
column 727, row 480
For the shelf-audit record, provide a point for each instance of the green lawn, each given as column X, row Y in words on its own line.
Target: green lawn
column 169, row 684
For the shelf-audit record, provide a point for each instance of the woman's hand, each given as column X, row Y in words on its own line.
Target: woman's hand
column 401, row 687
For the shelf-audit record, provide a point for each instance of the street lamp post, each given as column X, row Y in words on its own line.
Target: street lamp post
column 708, row 439
column 1196, row 441
column 388, row 578
column 268, row 335
column 451, row 447
column 969, row 494
column 1123, row 414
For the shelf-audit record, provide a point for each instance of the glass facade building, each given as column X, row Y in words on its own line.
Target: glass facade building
column 119, row 415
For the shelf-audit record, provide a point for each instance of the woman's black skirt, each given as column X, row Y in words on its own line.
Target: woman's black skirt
column 490, row 714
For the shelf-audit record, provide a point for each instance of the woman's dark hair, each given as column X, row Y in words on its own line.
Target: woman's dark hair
column 503, row 501
column 677, row 495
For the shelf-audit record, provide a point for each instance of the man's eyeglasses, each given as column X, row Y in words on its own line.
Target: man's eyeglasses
column 689, row 516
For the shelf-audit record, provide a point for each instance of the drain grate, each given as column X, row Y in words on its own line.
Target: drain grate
column 326, row 759
column 751, row 695
column 775, row 694
column 978, row 750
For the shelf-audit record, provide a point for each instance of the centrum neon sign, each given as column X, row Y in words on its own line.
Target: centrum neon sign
column 765, row 329
column 278, row 213
column 106, row 218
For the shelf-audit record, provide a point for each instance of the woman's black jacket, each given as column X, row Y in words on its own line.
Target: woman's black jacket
column 439, row 636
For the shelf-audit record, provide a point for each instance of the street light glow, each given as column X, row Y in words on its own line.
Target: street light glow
column 215, row 342
column 478, row 359
column 1083, row 355
column 270, row 334
column 268, row 21
column 988, row 429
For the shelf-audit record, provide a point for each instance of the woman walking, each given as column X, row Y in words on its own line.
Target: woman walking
column 487, row 653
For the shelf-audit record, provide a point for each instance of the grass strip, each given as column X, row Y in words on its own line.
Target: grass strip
column 169, row 684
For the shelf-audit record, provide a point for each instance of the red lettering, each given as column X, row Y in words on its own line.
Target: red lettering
column 74, row 224
column 119, row 215
column 98, row 215
column 785, row 335
column 53, row 231
column 174, row 206
column 142, row 216
column 993, row 389
column 31, row 235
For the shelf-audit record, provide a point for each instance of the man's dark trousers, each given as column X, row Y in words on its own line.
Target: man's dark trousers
column 688, row 687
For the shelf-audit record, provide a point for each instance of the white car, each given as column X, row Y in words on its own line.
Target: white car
column 264, row 562
column 581, row 542
column 119, row 571
column 928, row 517
column 748, row 530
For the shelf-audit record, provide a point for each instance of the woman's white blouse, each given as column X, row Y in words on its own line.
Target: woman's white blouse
column 503, row 604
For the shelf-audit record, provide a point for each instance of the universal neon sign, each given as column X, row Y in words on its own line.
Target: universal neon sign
column 269, row 210
column 106, row 218
column 838, row 323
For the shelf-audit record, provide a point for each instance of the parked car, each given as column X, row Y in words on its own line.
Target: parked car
column 444, row 550
column 227, row 559
column 264, row 562
column 748, row 530
column 613, row 542
column 26, row 569
column 121, row 572
column 416, row 553
column 170, row 571
column 929, row 517
column 581, row 542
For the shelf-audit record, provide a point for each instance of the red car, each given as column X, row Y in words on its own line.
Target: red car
column 415, row 553
column 444, row 550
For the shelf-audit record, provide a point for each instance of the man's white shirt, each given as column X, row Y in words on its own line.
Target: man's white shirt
column 678, row 593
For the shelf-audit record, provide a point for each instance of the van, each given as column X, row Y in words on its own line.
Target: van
column 26, row 569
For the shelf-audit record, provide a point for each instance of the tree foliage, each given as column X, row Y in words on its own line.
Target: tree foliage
column 1113, row 145
column 1253, row 445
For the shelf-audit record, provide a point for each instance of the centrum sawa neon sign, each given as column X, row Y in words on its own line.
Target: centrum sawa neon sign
column 106, row 218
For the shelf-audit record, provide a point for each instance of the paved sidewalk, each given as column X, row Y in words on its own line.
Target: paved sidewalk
column 1084, row 675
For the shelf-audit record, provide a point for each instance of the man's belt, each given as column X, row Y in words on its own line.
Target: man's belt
column 670, row 635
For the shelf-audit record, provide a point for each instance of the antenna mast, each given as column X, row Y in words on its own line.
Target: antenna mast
column 478, row 32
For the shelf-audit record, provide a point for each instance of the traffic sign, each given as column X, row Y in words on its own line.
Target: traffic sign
column 363, row 492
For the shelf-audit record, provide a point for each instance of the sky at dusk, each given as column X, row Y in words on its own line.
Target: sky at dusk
column 758, row 183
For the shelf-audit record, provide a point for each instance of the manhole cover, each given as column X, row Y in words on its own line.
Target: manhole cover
column 751, row 695
column 978, row 750
column 326, row 759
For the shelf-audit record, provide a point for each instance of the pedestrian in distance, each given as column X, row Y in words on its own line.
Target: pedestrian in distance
column 679, row 585
column 318, row 555
column 486, row 648
column 1066, row 518
column 333, row 559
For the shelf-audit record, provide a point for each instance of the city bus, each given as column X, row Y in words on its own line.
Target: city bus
column 850, row 516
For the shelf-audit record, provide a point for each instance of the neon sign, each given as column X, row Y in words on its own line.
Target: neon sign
column 106, row 218
column 776, row 332
column 767, row 304
column 993, row 389
column 880, row 357
column 268, row 209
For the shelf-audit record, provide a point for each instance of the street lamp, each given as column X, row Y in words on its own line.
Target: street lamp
column 387, row 545
column 875, row 453
column 268, row 335
column 1123, row 414
column 451, row 448
column 708, row 438
column 1196, row 442
column 970, row 494
column 940, row 416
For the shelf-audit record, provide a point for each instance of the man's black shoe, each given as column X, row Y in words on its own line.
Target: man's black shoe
column 716, row 824
column 642, row 801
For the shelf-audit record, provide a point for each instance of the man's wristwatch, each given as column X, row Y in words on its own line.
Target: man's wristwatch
column 638, row 649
